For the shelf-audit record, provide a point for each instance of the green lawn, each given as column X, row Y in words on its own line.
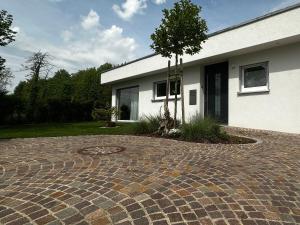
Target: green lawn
column 62, row 129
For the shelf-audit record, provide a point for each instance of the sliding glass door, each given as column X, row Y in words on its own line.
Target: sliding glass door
column 128, row 103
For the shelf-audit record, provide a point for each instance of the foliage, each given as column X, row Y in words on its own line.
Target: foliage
column 147, row 125
column 5, row 78
column 7, row 35
column 62, row 98
column 182, row 30
column 104, row 114
column 9, row 108
column 2, row 66
column 38, row 64
column 203, row 130
column 63, row 129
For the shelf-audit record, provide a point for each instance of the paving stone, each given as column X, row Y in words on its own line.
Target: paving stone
column 66, row 213
column 44, row 220
column 38, row 214
column 74, row 219
column 175, row 217
column 141, row 221
column 55, row 222
column 153, row 181
column 10, row 217
column 156, row 216
column 119, row 216
column 160, row 222
column 137, row 214
column 19, row 221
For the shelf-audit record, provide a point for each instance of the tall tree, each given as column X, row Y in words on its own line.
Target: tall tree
column 182, row 31
column 38, row 65
column 7, row 35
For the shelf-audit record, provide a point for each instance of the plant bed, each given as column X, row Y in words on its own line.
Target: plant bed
column 198, row 130
column 231, row 140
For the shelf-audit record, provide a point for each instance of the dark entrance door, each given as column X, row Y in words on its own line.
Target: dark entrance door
column 216, row 91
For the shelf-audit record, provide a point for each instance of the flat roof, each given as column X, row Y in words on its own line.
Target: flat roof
column 265, row 16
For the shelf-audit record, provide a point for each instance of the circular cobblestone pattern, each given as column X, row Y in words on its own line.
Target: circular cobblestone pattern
column 101, row 150
column 154, row 181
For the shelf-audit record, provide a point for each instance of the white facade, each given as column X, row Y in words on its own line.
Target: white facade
column 278, row 110
column 274, row 39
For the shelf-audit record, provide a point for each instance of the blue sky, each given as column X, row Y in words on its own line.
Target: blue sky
column 87, row 33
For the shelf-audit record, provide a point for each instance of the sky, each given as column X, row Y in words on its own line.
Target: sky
column 87, row 33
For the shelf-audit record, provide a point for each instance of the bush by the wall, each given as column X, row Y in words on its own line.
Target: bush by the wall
column 203, row 130
column 147, row 125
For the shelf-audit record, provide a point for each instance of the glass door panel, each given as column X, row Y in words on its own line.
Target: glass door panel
column 128, row 102
column 216, row 92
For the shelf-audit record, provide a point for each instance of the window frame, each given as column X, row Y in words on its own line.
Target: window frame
column 155, row 97
column 264, row 88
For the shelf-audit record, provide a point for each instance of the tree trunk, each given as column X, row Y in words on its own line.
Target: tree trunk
column 176, row 77
column 182, row 93
column 32, row 111
column 168, row 84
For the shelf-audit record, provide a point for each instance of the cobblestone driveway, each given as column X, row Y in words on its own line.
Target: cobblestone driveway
column 154, row 181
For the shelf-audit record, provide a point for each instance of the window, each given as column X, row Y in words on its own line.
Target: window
column 193, row 97
column 254, row 78
column 160, row 89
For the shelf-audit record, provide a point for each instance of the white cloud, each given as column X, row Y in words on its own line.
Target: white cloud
column 159, row 2
column 66, row 35
column 129, row 8
column 90, row 21
column 85, row 49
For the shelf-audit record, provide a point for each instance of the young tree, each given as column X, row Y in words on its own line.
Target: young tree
column 182, row 31
column 7, row 35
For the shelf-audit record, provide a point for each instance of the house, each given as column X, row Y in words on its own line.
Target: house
column 246, row 76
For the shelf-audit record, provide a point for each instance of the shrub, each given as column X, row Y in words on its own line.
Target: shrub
column 203, row 130
column 147, row 125
column 106, row 115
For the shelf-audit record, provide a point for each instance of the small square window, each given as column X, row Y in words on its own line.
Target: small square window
column 254, row 78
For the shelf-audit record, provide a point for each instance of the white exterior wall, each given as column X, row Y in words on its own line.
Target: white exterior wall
column 148, row 107
column 278, row 110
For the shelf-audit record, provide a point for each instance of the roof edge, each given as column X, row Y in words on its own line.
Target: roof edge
column 245, row 23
